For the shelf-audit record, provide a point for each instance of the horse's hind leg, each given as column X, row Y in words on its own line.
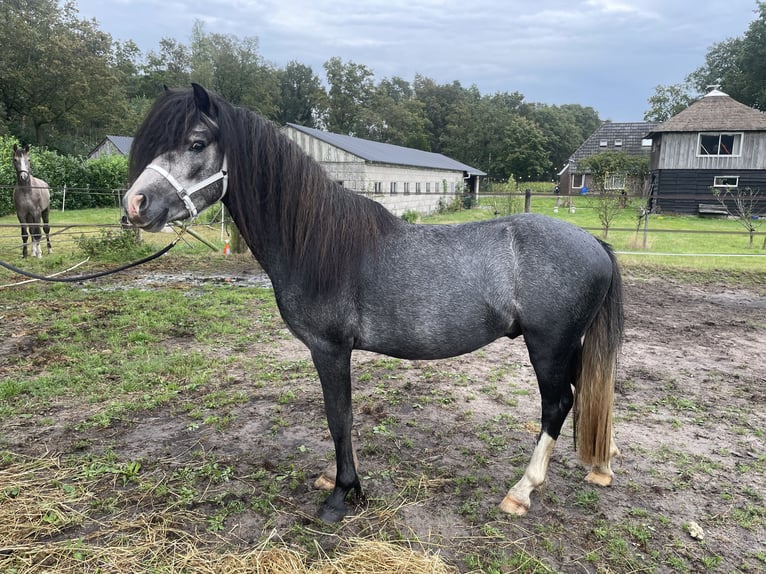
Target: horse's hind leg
column 47, row 229
column 555, row 376
column 602, row 475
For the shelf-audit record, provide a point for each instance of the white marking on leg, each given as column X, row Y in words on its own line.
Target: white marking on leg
column 517, row 501
column 602, row 474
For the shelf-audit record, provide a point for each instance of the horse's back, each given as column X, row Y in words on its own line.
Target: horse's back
column 437, row 291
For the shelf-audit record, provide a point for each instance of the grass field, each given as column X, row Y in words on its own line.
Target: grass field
column 174, row 426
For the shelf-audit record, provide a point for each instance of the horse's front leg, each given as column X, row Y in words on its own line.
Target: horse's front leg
column 24, row 238
column 334, row 367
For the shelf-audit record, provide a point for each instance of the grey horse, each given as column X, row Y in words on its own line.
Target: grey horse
column 347, row 274
column 32, row 199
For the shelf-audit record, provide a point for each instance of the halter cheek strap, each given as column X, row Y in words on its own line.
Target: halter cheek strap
column 185, row 194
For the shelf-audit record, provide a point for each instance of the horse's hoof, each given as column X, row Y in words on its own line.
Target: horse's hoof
column 324, row 483
column 331, row 515
column 512, row 505
column 599, row 478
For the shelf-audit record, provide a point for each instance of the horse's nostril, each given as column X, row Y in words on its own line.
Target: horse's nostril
column 136, row 203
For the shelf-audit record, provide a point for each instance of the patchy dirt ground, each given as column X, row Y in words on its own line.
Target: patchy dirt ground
column 440, row 442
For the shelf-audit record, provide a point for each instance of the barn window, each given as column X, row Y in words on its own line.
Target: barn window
column 726, row 181
column 602, row 143
column 617, row 143
column 719, row 144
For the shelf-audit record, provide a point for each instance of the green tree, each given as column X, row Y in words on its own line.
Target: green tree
column 170, row 66
column 351, row 89
column 233, row 67
column 489, row 133
column 395, row 116
column 301, row 97
column 439, row 103
column 56, row 73
column 668, row 101
column 564, row 127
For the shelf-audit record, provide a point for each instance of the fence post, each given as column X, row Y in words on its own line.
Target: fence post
column 646, row 226
column 527, row 200
column 63, row 199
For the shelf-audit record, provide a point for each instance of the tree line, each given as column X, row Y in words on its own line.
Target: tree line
column 66, row 84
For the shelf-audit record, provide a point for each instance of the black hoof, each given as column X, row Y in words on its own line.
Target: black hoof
column 332, row 514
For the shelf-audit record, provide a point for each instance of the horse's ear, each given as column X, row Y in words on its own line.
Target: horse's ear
column 202, row 99
column 26, row 148
column 15, row 148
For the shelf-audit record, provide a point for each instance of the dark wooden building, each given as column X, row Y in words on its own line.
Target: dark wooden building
column 716, row 142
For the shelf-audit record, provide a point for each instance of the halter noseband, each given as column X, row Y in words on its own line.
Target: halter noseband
column 185, row 194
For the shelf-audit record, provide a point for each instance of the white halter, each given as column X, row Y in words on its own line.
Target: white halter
column 185, row 194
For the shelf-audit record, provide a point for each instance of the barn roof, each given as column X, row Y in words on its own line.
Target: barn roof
column 387, row 153
column 714, row 112
column 122, row 143
column 627, row 137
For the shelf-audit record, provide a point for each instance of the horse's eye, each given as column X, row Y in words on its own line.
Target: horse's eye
column 197, row 146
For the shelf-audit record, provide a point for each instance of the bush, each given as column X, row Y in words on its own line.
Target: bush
column 410, row 216
column 122, row 245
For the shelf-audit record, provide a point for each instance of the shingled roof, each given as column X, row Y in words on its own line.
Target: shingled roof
column 626, row 137
column 377, row 152
column 715, row 112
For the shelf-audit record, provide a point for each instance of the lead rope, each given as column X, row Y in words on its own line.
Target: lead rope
column 85, row 277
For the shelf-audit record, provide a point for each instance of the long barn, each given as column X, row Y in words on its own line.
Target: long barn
column 715, row 143
column 402, row 179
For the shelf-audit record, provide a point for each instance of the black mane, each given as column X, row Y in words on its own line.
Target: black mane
column 278, row 196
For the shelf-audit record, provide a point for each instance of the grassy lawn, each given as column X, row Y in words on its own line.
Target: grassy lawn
column 676, row 241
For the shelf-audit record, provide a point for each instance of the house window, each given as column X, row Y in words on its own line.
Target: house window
column 602, row 143
column 417, row 187
column 428, row 187
column 578, row 180
column 614, row 182
column 719, row 144
column 726, row 181
column 406, row 187
column 393, row 187
column 646, row 142
column 617, row 143
column 378, row 187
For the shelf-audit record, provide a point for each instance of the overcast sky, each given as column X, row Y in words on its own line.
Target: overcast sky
column 607, row 54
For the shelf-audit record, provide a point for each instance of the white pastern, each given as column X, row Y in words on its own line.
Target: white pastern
column 517, row 501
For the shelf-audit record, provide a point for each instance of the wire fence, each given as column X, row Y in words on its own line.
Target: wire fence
column 67, row 233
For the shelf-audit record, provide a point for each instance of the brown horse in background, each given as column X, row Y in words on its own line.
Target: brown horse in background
column 32, row 198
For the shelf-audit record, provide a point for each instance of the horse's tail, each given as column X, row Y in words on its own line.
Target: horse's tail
column 594, row 389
